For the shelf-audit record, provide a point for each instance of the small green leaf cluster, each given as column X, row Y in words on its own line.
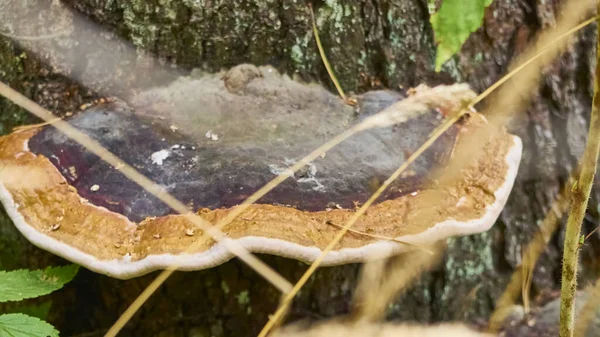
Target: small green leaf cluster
column 23, row 284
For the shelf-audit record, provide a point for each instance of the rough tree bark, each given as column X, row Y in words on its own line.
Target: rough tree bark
column 371, row 44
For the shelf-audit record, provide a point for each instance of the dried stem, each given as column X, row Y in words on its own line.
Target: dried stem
column 342, row 328
column 577, row 8
column 290, row 296
column 338, row 87
column 382, row 237
column 587, row 314
column 382, row 281
column 527, row 268
column 580, row 195
column 153, row 188
column 533, row 251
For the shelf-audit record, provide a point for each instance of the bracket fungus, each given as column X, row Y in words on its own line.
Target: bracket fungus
column 211, row 149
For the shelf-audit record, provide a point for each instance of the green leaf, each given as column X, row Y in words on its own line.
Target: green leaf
column 19, row 325
column 19, row 284
column 453, row 24
column 40, row 310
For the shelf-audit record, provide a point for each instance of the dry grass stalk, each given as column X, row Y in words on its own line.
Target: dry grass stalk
column 451, row 98
column 517, row 94
column 511, row 99
column 533, row 251
column 362, row 329
column 338, row 87
column 35, row 38
column 381, row 237
column 580, row 195
column 588, row 313
column 33, row 126
column 150, row 186
column 313, row 267
column 527, row 268
column 383, row 280
column 579, row 7
column 527, row 79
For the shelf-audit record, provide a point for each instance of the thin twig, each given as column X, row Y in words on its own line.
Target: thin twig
column 147, row 184
column 289, row 297
column 34, row 126
column 588, row 313
column 381, row 237
column 576, row 9
column 581, row 193
column 534, row 250
column 591, row 233
column 324, row 57
column 527, row 266
column 165, row 274
column 382, row 118
column 383, row 280
column 540, row 53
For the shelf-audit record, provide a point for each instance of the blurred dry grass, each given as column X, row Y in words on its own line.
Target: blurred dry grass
column 511, row 99
column 531, row 254
column 381, row 281
column 589, row 311
column 363, row 329
column 371, row 300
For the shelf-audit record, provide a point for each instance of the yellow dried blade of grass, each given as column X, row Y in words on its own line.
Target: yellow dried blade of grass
column 324, row 57
column 531, row 60
column 35, row 126
column 289, row 297
column 534, row 249
column 340, row 328
column 580, row 195
column 381, row 237
column 575, row 9
column 589, row 312
column 400, row 111
column 383, row 280
column 510, row 99
column 456, row 97
column 527, row 266
column 147, row 184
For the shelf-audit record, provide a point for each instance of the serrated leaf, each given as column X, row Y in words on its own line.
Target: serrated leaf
column 452, row 25
column 20, row 325
column 20, row 284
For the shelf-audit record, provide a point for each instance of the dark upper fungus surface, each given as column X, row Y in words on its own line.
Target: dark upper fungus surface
column 223, row 170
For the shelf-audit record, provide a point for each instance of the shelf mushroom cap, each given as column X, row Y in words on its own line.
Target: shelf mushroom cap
column 67, row 201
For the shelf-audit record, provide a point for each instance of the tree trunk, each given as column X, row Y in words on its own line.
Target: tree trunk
column 370, row 44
